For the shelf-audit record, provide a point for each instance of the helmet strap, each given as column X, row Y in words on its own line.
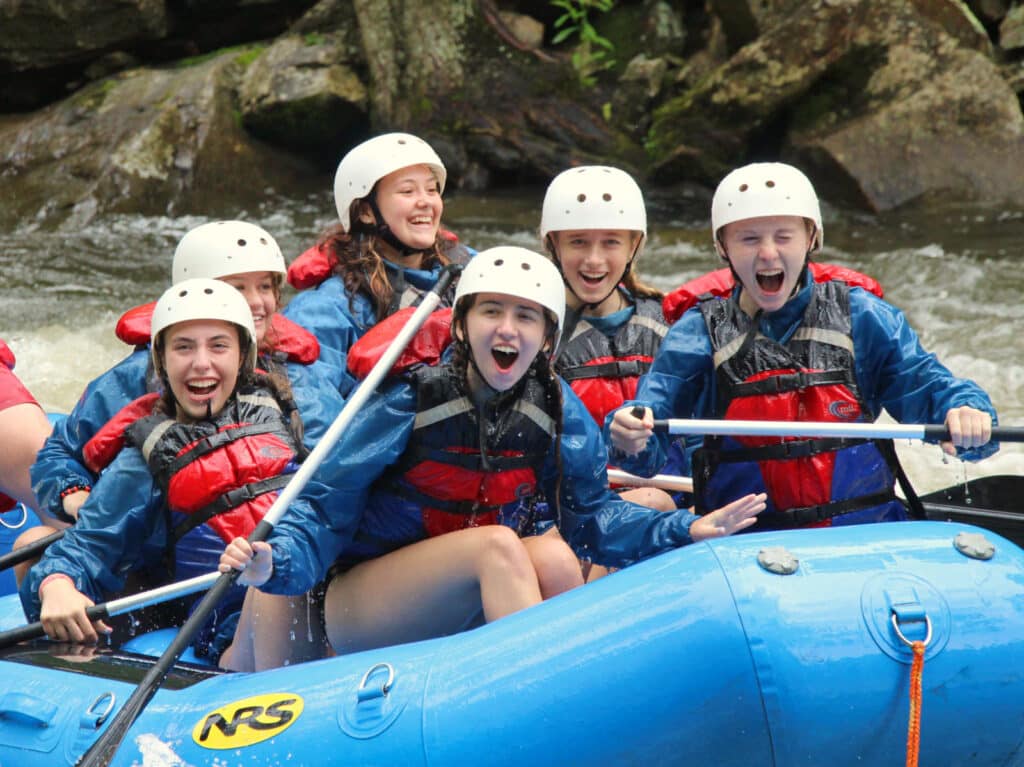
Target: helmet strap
column 384, row 231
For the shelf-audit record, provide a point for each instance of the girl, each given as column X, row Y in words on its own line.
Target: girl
column 196, row 471
column 430, row 525
column 242, row 255
column 594, row 225
column 386, row 253
column 785, row 347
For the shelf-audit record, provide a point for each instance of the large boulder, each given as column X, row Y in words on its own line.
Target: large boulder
column 304, row 94
column 884, row 100
column 148, row 141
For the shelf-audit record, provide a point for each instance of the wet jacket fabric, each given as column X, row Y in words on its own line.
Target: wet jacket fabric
column 463, row 466
column 338, row 318
column 597, row 523
column 809, row 481
column 61, row 464
column 891, row 370
column 604, row 370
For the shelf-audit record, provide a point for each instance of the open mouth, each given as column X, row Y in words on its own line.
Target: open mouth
column 201, row 389
column 770, row 282
column 592, row 280
column 504, row 358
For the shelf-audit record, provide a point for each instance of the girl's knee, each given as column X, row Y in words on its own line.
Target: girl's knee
column 32, row 535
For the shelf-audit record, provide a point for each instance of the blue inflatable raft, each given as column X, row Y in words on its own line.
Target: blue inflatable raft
column 788, row 648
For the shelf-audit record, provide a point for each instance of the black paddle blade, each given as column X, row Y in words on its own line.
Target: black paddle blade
column 104, row 748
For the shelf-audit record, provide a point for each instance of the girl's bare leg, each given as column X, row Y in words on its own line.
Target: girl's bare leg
column 558, row 568
column 275, row 631
column 430, row 588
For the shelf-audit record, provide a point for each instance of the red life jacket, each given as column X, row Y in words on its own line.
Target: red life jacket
column 719, row 284
column 604, row 371
column 448, row 480
column 809, row 482
column 426, row 347
column 292, row 340
column 222, row 473
column 459, row 472
column 316, row 264
column 6, row 355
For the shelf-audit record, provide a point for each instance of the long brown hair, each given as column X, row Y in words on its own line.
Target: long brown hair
column 357, row 261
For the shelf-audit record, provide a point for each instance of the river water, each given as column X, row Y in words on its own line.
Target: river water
column 951, row 268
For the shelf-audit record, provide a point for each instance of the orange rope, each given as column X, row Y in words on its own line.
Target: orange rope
column 914, row 726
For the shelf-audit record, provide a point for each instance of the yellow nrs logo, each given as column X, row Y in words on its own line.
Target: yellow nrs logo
column 248, row 721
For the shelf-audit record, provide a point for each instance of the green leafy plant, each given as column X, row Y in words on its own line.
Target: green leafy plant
column 593, row 52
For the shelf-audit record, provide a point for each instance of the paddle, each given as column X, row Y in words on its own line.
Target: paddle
column 117, row 606
column 30, row 551
column 668, row 482
column 103, row 749
column 817, row 429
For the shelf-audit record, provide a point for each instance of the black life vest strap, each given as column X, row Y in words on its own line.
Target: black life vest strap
column 614, row 369
column 472, row 461
column 808, row 515
column 797, row 448
column 888, row 450
column 465, row 508
column 228, row 501
column 217, row 441
column 787, row 382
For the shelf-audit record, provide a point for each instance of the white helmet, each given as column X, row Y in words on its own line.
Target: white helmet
column 765, row 189
column 369, row 162
column 518, row 272
column 221, row 248
column 203, row 299
column 593, row 197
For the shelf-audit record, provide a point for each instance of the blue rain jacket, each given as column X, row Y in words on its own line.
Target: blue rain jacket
column 60, row 464
column 596, row 522
column 325, row 311
column 892, row 370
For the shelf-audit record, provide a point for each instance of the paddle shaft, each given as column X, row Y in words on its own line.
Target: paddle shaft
column 32, row 550
column 118, row 606
column 668, row 482
column 817, row 429
column 103, row 749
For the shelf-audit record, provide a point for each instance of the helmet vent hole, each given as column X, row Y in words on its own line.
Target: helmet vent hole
column 770, row 184
column 241, row 243
column 401, row 141
column 525, row 266
column 208, row 291
column 744, row 187
column 581, row 197
column 606, row 197
column 499, row 261
column 183, row 293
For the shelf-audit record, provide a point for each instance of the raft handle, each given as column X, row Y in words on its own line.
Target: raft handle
column 365, row 694
column 95, row 719
column 908, row 642
column 19, row 525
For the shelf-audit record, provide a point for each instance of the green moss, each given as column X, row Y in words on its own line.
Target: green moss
column 313, row 38
column 246, row 55
column 93, row 95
